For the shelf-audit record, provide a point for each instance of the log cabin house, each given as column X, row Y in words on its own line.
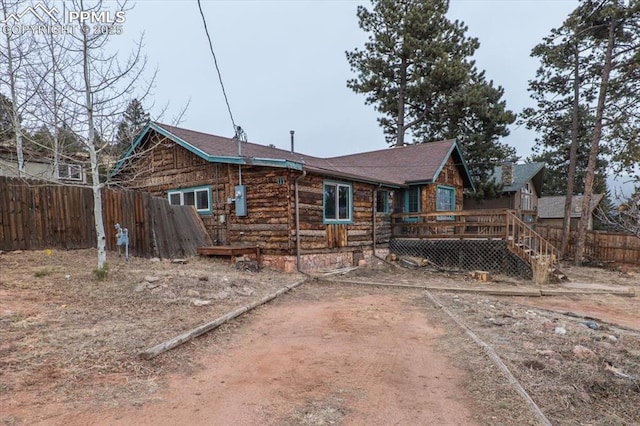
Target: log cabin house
column 303, row 212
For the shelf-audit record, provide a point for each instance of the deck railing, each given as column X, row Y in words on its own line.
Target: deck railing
column 526, row 242
column 458, row 224
column 522, row 239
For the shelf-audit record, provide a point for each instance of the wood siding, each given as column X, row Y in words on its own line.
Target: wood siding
column 270, row 219
column 449, row 176
column 35, row 216
column 614, row 247
column 318, row 236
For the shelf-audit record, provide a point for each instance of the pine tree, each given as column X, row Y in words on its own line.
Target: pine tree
column 6, row 119
column 416, row 70
column 133, row 120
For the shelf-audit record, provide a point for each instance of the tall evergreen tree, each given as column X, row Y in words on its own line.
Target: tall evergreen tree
column 416, row 70
column 134, row 119
column 6, row 119
column 586, row 95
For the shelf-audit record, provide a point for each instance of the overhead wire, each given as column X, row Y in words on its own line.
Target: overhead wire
column 236, row 129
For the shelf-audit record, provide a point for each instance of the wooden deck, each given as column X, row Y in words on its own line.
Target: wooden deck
column 230, row 251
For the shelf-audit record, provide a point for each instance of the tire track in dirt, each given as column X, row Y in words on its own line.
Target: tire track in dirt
column 355, row 361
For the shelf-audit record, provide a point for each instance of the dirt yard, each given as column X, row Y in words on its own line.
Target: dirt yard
column 332, row 351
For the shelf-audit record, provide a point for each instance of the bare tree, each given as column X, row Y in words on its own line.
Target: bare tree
column 14, row 53
column 627, row 216
column 101, row 86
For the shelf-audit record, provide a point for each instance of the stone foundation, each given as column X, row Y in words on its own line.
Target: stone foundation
column 317, row 262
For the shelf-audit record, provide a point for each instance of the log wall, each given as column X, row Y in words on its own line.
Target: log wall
column 270, row 220
column 450, row 176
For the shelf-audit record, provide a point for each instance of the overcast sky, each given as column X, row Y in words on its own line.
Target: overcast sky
column 284, row 67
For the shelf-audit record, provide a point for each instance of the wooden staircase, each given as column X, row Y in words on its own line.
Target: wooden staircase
column 528, row 245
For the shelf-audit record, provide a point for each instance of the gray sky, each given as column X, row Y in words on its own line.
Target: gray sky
column 284, row 67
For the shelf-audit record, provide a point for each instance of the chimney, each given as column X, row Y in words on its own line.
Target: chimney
column 507, row 173
column 292, row 132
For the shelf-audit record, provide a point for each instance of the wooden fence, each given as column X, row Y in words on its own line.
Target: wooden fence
column 35, row 215
column 615, row 247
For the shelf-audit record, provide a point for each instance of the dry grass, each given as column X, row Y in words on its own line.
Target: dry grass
column 69, row 337
column 64, row 336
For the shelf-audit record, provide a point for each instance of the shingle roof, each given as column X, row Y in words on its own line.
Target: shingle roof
column 392, row 166
column 522, row 173
column 553, row 207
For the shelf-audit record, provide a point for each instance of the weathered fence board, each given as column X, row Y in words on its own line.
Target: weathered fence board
column 605, row 246
column 35, row 216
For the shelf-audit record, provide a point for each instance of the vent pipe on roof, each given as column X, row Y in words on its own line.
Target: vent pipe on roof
column 292, row 132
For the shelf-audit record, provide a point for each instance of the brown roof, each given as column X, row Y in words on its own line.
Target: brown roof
column 392, row 166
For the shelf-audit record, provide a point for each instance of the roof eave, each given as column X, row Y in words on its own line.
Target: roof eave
column 467, row 175
column 271, row 162
column 352, row 177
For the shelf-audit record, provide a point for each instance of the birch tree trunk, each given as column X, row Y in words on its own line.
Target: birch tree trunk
column 96, row 186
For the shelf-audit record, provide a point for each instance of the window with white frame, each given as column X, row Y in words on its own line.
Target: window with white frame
column 338, row 202
column 526, row 197
column 199, row 197
column 69, row 171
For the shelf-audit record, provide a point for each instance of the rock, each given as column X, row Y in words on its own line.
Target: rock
column 200, row 302
column 67, row 276
column 247, row 265
column 154, row 259
column 582, row 352
column 193, row 293
column 591, row 324
column 151, row 279
column 245, row 291
column 140, row 287
column 611, row 338
column 179, row 261
column 547, row 352
column 169, row 295
column 221, row 295
column 560, row 330
column 362, row 263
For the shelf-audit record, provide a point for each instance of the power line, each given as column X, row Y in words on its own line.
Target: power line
column 237, row 130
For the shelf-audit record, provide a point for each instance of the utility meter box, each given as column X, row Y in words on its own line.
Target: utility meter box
column 241, row 200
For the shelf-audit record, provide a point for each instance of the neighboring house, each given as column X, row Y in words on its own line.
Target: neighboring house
column 551, row 210
column 302, row 211
column 39, row 166
column 521, row 189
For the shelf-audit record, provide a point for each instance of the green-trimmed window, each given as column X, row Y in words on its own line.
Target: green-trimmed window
column 338, row 203
column 200, row 197
column 412, row 200
column 445, row 198
column 382, row 201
